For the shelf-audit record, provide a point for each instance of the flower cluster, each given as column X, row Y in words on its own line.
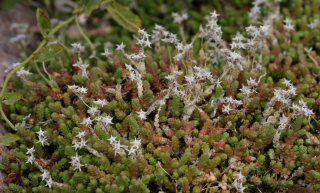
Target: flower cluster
column 144, row 39
column 314, row 24
column 234, row 59
column 301, row 109
column 288, row 25
column 135, row 147
column 78, row 48
column 283, row 124
column 23, row 72
column 284, row 96
column 161, row 34
column 255, row 11
column 81, row 142
column 238, row 183
column 31, row 157
column 251, row 88
column 121, row 149
column 45, row 176
column 212, row 31
column 230, row 104
column 179, row 17
column 75, row 162
column 82, row 66
column 42, row 138
column 78, row 90
column 118, row 148
column 45, row 173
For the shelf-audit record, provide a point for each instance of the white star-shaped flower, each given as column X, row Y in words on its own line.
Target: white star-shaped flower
column 227, row 109
column 136, row 143
column 292, row 91
column 49, row 182
column 143, row 33
column 287, row 83
column 93, row 111
column 82, row 90
column 23, row 72
column 170, row 77
column 40, row 133
column 313, row 24
column 147, row 43
column 190, row 79
column 178, row 57
column 302, row 103
column 77, row 46
column 241, row 189
column 288, row 24
column 76, row 145
column 132, row 151
column 117, row 148
column 106, row 52
column 73, row 87
column 214, row 14
column 107, row 120
column 240, row 176
column 112, row 140
column 238, row 38
column 82, row 143
column 252, row 82
column 246, row 90
column 308, row 50
column 30, row 151
column 31, row 159
column 45, row 175
column 81, row 134
column 179, row 18
column 43, row 141
column 75, row 162
column 218, row 82
column 120, row 47
column 100, row 102
column 87, row 122
column 142, row 115
column 81, row 65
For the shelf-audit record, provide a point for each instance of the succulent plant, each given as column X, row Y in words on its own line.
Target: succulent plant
column 172, row 112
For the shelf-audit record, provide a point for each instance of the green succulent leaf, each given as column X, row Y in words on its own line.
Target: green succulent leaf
column 44, row 23
column 11, row 98
column 87, row 7
column 7, row 140
column 124, row 16
column 49, row 52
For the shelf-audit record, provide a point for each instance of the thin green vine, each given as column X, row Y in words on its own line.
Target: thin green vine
column 84, row 34
column 44, row 78
column 25, row 62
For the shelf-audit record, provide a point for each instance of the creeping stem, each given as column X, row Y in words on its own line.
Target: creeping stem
column 84, row 34
column 25, row 62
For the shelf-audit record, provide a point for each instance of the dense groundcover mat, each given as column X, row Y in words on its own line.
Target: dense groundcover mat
column 171, row 112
